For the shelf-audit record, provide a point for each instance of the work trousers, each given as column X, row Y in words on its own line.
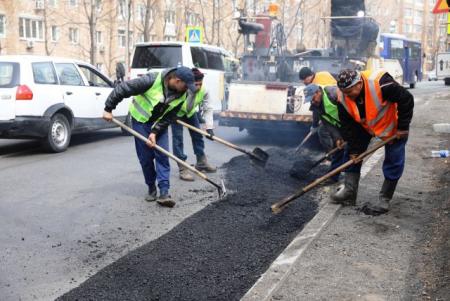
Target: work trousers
column 198, row 143
column 327, row 140
column 155, row 165
column 394, row 159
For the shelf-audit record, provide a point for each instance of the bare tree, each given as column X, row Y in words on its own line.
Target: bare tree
column 147, row 22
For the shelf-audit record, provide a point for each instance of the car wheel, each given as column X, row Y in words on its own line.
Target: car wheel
column 128, row 123
column 59, row 134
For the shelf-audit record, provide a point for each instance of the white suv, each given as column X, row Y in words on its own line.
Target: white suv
column 51, row 98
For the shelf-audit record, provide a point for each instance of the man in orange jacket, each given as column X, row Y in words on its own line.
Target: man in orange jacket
column 322, row 78
column 373, row 105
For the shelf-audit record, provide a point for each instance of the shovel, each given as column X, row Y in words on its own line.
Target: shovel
column 258, row 156
column 279, row 206
column 220, row 188
column 311, row 132
column 325, row 157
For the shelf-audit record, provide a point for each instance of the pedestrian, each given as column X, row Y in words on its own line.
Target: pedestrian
column 326, row 122
column 322, row 78
column 373, row 105
column 157, row 99
column 196, row 110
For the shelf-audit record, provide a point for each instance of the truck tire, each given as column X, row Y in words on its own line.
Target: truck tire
column 59, row 134
column 447, row 81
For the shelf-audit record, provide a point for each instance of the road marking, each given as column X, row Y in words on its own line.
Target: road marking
column 281, row 268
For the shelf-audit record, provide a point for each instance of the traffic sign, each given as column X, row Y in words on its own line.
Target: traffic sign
column 194, row 34
column 442, row 6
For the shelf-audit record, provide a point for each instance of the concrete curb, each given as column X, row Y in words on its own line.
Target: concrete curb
column 280, row 269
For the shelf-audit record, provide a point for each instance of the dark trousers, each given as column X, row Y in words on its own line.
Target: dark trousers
column 327, row 140
column 394, row 159
column 155, row 165
column 198, row 143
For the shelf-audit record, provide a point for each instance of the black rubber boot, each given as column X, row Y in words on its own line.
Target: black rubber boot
column 381, row 206
column 347, row 194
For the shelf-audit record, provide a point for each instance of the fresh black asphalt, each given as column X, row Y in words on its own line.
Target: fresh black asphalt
column 219, row 252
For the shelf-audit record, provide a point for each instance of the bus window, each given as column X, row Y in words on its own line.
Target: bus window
column 397, row 50
column 415, row 51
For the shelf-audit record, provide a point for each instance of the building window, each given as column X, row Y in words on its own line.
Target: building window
column 2, row 25
column 123, row 9
column 98, row 5
column 192, row 19
column 31, row 29
column 99, row 37
column 418, row 28
column 408, row 12
column 52, row 3
column 169, row 38
column 169, row 17
column 73, row 35
column 122, row 38
column 73, row 3
column 99, row 67
column 55, row 33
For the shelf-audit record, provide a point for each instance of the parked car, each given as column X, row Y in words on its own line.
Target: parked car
column 156, row 56
column 432, row 75
column 52, row 98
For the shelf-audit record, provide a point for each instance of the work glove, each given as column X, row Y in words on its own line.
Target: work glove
column 210, row 134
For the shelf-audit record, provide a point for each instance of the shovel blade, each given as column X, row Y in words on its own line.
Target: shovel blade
column 259, row 156
column 222, row 191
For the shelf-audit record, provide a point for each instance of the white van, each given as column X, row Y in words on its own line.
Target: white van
column 156, row 56
column 51, row 98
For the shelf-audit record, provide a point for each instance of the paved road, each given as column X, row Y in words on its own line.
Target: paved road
column 65, row 216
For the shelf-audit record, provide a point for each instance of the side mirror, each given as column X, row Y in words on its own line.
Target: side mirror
column 120, row 72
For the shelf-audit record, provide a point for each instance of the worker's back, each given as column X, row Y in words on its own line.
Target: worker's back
column 324, row 78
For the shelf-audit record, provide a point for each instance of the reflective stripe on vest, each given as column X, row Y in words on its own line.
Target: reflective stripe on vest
column 381, row 116
column 141, row 107
column 190, row 105
column 331, row 111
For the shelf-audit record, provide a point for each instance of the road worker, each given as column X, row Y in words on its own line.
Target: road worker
column 198, row 112
column 322, row 78
column 157, row 99
column 324, row 102
column 373, row 104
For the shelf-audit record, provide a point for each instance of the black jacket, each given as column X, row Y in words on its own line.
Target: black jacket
column 354, row 133
column 140, row 85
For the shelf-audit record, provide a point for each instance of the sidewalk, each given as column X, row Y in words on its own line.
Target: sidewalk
column 402, row 255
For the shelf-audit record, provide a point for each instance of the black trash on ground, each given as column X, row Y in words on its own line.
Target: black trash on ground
column 219, row 252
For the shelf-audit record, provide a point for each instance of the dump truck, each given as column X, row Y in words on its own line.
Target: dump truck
column 269, row 95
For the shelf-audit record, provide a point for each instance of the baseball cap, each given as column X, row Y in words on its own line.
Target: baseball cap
column 347, row 78
column 309, row 91
column 198, row 75
column 186, row 75
column 304, row 73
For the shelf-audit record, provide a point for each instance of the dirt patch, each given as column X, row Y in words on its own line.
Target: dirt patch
column 219, row 252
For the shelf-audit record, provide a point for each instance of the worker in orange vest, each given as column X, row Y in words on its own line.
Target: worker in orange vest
column 322, row 78
column 373, row 105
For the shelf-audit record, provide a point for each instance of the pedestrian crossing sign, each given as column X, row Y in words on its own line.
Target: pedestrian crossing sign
column 442, row 6
column 194, row 34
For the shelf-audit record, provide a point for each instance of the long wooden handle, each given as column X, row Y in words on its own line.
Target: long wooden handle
column 162, row 150
column 220, row 140
column 277, row 207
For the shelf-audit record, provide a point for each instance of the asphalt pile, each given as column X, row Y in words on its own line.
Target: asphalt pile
column 219, row 252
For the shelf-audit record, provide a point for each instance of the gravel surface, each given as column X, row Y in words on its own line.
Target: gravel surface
column 219, row 252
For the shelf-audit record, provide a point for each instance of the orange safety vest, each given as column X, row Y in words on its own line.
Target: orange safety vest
column 381, row 115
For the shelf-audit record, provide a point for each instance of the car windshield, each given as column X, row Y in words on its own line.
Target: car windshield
column 157, row 56
column 9, row 74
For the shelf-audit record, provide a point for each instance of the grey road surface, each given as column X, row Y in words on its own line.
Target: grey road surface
column 65, row 216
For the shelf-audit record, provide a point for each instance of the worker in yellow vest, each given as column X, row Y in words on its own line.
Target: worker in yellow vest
column 198, row 112
column 157, row 99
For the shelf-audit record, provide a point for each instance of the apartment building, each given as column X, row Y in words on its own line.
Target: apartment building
column 104, row 31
